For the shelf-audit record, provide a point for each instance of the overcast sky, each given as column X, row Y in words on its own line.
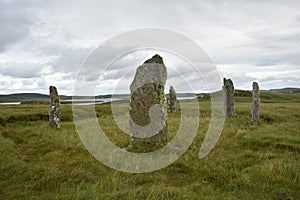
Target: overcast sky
column 44, row 43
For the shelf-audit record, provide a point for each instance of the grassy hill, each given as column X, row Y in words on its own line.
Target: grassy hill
column 35, row 98
column 29, row 98
column 286, row 90
column 21, row 97
column 248, row 162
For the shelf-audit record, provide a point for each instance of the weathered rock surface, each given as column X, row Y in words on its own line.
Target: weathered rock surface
column 148, row 108
column 255, row 103
column 228, row 97
column 173, row 104
column 54, row 108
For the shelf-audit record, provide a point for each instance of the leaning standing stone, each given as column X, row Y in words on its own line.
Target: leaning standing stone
column 172, row 100
column 228, row 97
column 255, row 103
column 148, row 109
column 54, row 108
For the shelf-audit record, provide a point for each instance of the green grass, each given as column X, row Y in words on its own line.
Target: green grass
column 248, row 162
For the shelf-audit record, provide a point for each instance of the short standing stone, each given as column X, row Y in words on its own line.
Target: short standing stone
column 172, row 100
column 228, row 97
column 54, row 108
column 148, row 109
column 255, row 103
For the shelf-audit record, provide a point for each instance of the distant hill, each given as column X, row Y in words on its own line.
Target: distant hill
column 39, row 98
column 36, row 98
column 237, row 93
column 29, row 98
column 286, row 90
column 242, row 93
column 247, row 93
column 24, row 97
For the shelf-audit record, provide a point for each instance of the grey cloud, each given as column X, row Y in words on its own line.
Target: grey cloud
column 24, row 70
column 234, row 33
column 16, row 18
column 70, row 59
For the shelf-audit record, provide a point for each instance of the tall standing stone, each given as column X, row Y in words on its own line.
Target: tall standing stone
column 148, row 107
column 54, row 108
column 172, row 100
column 228, row 97
column 255, row 103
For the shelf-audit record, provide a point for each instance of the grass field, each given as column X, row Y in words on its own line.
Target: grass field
column 248, row 162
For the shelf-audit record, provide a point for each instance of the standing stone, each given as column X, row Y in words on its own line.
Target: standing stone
column 255, row 103
column 228, row 97
column 172, row 100
column 148, row 108
column 54, row 108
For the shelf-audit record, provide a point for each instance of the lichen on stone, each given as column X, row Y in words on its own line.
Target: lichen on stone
column 147, row 91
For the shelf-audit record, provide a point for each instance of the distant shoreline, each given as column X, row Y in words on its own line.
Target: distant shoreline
column 42, row 99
